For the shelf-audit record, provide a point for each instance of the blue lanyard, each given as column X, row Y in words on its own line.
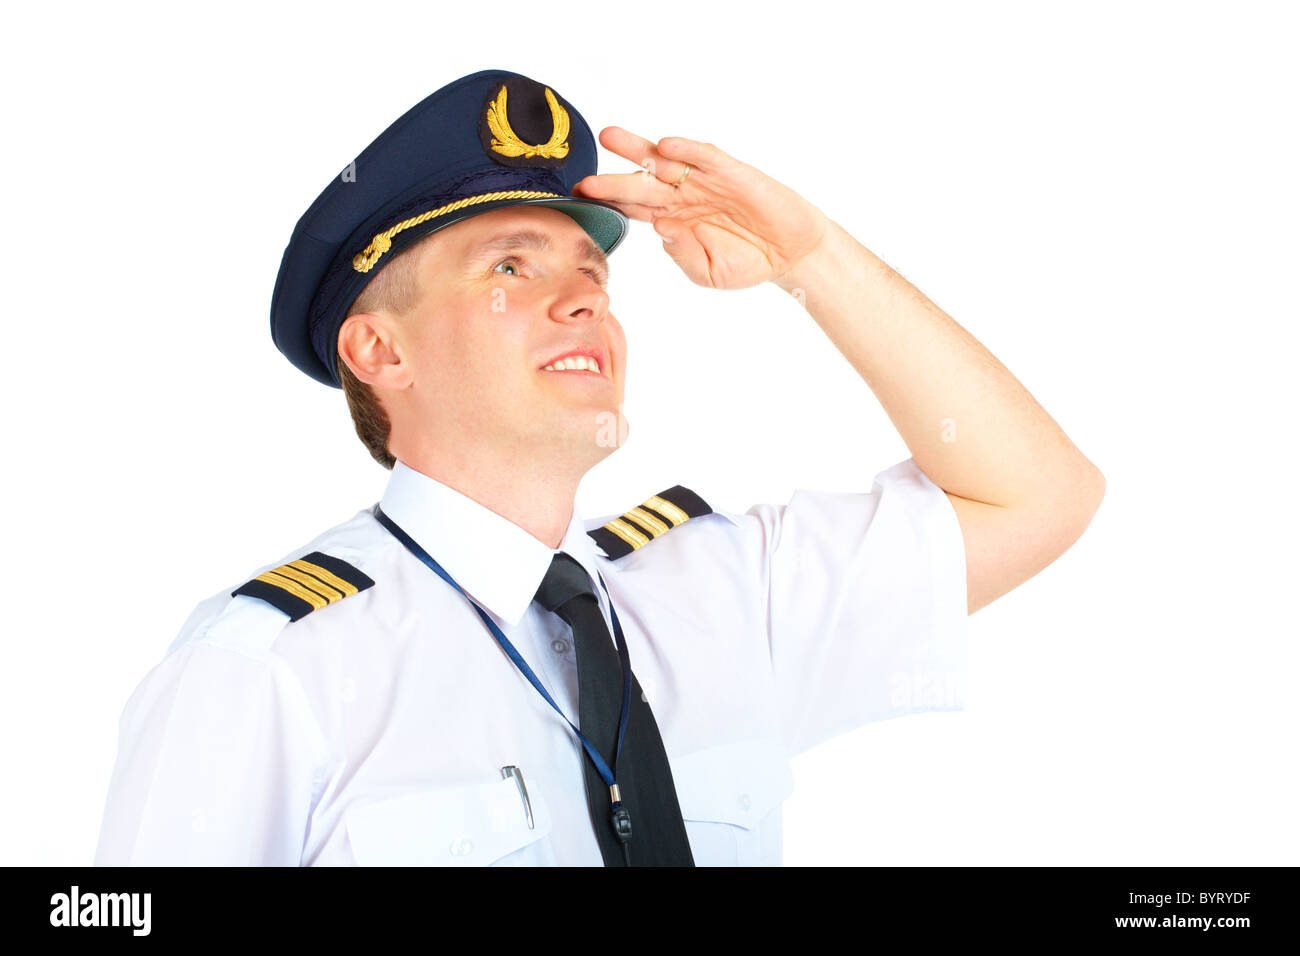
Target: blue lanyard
column 605, row 773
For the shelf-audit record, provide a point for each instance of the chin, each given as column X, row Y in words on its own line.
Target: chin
column 593, row 437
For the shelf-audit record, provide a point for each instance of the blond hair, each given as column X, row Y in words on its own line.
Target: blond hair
column 395, row 290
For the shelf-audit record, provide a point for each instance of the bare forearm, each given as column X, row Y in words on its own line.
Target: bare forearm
column 969, row 424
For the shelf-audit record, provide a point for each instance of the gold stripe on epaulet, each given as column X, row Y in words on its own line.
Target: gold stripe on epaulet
column 655, row 516
column 627, row 532
column 334, row 580
column 316, row 600
column 648, row 521
column 669, row 510
column 308, row 584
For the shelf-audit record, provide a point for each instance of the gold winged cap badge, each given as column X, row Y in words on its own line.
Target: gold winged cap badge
column 506, row 142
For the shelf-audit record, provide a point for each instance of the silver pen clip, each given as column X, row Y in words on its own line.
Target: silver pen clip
column 523, row 791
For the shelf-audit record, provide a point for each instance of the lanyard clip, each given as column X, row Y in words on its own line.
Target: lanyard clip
column 622, row 822
column 619, row 818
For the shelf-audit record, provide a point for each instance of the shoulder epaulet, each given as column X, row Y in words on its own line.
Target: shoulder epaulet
column 653, row 517
column 308, row 584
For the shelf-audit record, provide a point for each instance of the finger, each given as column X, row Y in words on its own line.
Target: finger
column 637, row 211
column 641, row 188
column 703, row 156
column 642, row 152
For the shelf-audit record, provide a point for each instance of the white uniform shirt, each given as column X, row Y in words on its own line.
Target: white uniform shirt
column 374, row 730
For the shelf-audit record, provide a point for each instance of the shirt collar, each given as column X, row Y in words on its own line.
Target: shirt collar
column 497, row 563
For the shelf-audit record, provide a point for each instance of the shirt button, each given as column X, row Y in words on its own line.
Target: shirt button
column 461, row 847
column 559, row 646
column 744, row 801
column 643, row 697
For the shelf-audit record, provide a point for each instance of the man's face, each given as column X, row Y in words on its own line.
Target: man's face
column 503, row 295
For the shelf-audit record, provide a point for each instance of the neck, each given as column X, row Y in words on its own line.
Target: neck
column 535, row 494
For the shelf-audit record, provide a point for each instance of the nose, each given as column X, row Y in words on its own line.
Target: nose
column 581, row 301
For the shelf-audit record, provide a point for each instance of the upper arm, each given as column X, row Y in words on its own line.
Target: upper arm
column 217, row 754
column 865, row 603
column 1006, row 546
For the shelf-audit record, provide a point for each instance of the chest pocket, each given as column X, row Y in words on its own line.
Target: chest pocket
column 477, row 825
column 726, row 793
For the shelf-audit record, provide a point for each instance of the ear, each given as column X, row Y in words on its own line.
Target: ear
column 368, row 344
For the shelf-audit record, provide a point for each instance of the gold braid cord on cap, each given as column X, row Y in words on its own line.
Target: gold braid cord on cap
column 365, row 260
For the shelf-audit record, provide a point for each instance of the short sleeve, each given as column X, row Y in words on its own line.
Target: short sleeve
column 866, row 604
column 218, row 756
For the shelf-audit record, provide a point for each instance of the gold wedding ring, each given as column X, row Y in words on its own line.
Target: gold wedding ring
column 685, row 172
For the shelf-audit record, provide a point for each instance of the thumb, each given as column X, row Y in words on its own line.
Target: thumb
column 668, row 230
column 683, row 248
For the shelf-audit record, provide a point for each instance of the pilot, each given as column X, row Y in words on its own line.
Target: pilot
column 471, row 672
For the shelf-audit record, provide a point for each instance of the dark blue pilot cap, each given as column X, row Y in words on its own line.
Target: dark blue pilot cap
column 488, row 140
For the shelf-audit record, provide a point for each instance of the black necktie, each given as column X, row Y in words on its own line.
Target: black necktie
column 645, row 780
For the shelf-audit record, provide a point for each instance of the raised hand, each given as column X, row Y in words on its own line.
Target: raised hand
column 725, row 223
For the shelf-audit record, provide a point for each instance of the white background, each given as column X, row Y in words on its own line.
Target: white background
column 1104, row 194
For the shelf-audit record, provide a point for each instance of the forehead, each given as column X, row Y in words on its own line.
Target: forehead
column 466, row 244
column 502, row 222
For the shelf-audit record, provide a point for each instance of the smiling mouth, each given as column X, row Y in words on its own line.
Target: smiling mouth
column 574, row 363
column 576, row 373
